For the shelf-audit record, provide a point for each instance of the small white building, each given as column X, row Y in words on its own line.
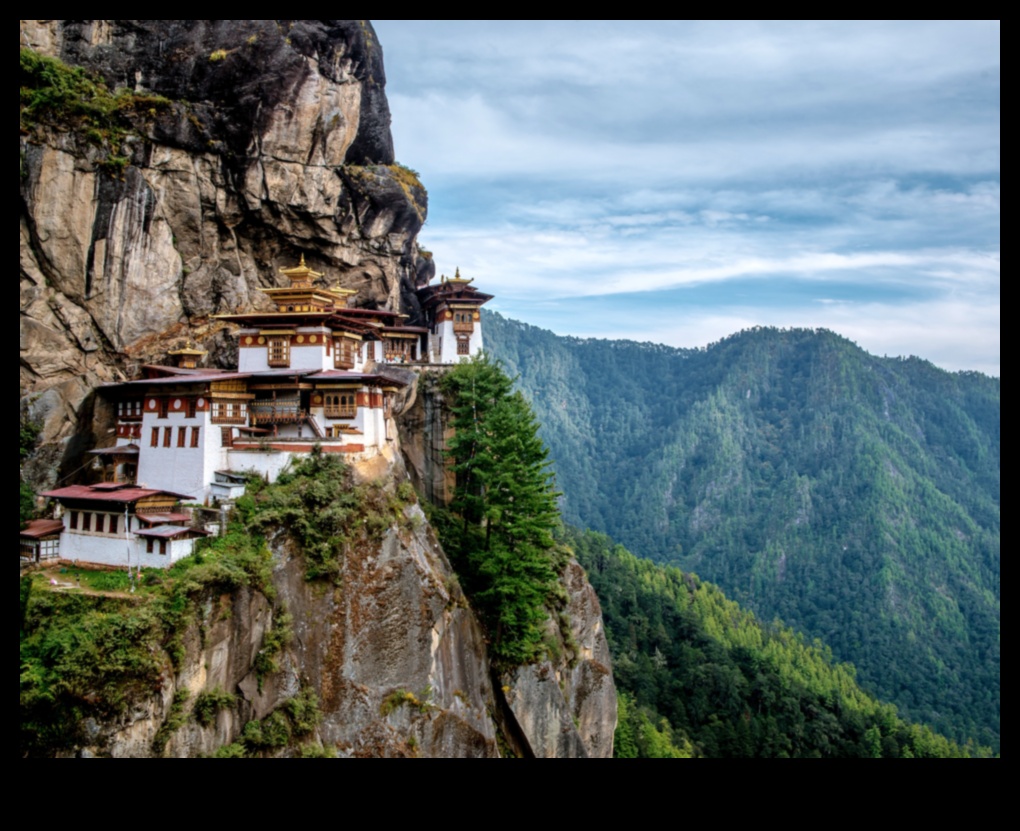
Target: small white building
column 116, row 524
column 40, row 540
column 452, row 310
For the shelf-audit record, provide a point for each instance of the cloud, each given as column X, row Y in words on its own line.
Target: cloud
column 684, row 165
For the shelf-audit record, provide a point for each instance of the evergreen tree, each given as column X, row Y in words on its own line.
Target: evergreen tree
column 505, row 505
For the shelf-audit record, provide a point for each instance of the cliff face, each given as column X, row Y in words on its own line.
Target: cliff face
column 559, row 707
column 254, row 141
column 392, row 653
column 241, row 145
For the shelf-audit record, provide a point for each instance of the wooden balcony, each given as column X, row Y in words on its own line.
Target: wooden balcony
column 279, row 411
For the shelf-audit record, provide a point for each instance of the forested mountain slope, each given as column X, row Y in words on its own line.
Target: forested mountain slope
column 854, row 497
column 698, row 675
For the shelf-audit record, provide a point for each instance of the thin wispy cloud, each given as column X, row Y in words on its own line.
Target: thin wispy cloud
column 726, row 174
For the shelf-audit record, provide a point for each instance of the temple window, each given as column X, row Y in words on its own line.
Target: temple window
column 182, row 433
column 343, row 354
column 154, row 440
column 194, row 436
column 229, row 412
column 279, row 351
column 341, row 405
column 463, row 346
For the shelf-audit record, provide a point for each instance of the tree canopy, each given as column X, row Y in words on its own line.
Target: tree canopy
column 500, row 534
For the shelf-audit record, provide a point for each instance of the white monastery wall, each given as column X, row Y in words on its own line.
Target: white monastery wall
column 185, row 470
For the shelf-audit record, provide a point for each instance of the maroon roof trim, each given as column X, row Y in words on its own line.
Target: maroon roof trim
column 39, row 528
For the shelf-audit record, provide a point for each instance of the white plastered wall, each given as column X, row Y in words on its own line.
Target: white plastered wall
column 185, row 470
column 119, row 549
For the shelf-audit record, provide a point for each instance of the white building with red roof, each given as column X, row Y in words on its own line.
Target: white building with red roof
column 311, row 374
column 117, row 524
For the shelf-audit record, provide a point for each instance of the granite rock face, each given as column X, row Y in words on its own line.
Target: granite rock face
column 394, row 655
column 275, row 142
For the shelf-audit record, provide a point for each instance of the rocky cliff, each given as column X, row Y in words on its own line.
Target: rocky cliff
column 384, row 657
column 223, row 150
column 167, row 185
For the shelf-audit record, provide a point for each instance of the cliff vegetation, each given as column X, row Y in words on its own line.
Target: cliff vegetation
column 97, row 644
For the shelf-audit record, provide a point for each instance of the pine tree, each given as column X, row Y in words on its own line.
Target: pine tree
column 506, row 505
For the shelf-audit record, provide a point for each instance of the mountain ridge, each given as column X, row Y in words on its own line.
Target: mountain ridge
column 854, row 497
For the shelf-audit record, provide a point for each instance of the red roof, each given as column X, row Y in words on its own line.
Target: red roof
column 39, row 528
column 117, row 450
column 99, row 494
column 201, row 377
column 159, row 519
column 367, row 312
column 169, row 531
column 360, row 377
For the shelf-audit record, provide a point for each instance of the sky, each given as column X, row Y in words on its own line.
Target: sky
column 677, row 181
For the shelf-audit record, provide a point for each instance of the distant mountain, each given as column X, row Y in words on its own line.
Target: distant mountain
column 854, row 497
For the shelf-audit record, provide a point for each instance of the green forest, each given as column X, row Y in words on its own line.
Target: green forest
column 855, row 498
column 699, row 676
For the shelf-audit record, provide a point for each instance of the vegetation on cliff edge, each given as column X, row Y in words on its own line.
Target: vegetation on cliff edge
column 499, row 530
column 68, row 98
column 92, row 648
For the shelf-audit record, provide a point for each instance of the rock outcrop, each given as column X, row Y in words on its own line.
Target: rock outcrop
column 562, row 707
column 392, row 652
column 273, row 141
column 394, row 655
column 265, row 140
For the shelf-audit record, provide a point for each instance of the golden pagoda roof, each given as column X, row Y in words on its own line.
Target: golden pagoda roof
column 456, row 279
column 301, row 273
column 187, row 350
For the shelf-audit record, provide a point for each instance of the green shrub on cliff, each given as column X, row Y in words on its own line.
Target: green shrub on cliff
column 68, row 98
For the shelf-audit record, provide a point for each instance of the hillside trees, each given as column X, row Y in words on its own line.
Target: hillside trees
column 699, row 675
column 854, row 497
column 501, row 537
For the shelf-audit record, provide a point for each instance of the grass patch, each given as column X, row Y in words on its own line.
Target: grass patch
column 210, row 704
column 401, row 698
column 295, row 719
column 70, row 99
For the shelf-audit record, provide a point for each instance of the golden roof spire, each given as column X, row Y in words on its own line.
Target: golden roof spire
column 187, row 356
column 301, row 276
column 458, row 279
